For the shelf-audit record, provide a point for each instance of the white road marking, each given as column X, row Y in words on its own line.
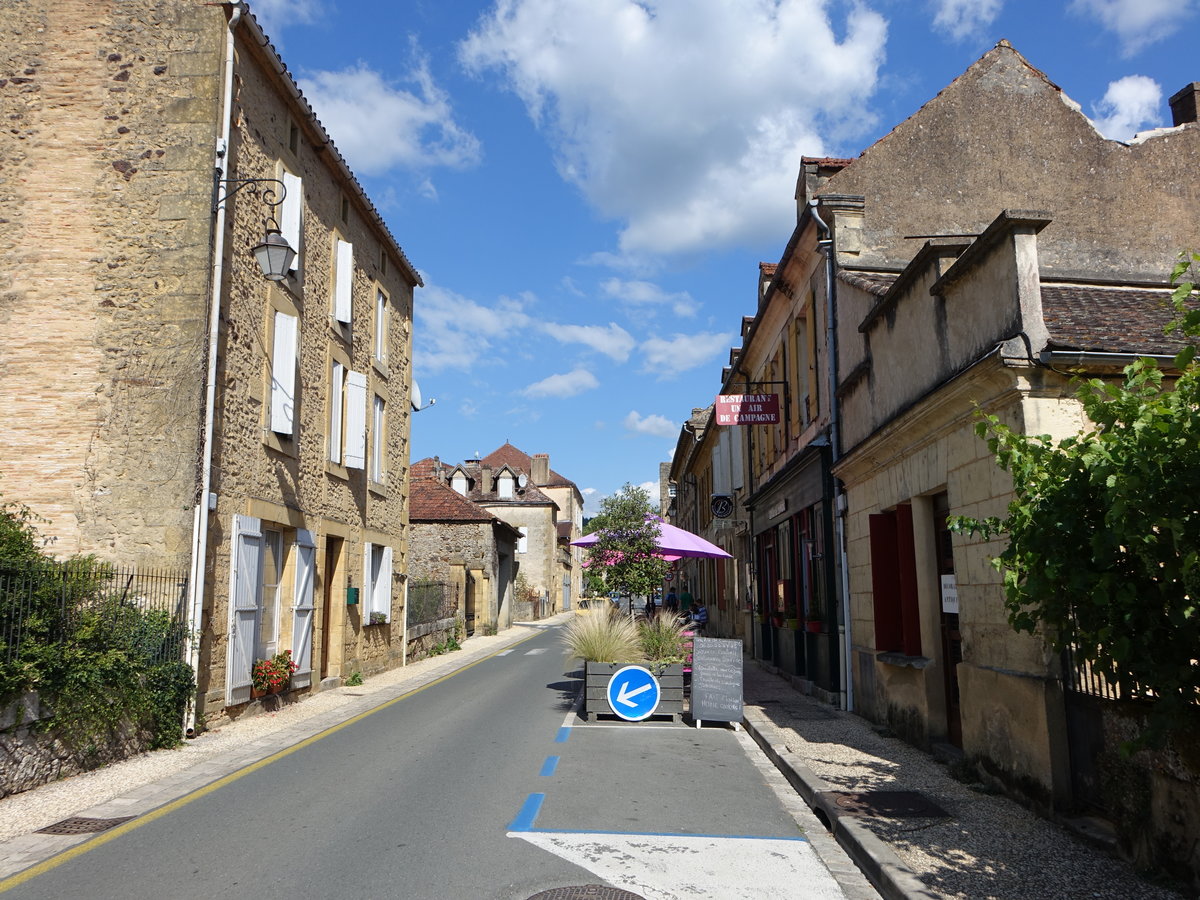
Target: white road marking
column 686, row 867
column 535, row 651
column 504, row 653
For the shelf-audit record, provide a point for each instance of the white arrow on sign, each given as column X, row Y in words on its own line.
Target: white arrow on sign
column 625, row 695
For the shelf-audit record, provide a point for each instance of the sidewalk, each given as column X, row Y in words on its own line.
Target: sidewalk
column 150, row 783
column 987, row 847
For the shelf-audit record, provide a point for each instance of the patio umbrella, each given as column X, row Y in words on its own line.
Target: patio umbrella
column 672, row 541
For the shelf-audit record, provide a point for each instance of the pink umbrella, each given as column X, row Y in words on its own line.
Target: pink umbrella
column 672, row 542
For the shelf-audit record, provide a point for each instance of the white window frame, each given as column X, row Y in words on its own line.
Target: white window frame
column 523, row 541
column 504, row 486
column 458, row 483
column 355, row 434
column 291, row 215
column 337, row 410
column 378, row 437
column 377, row 581
column 381, row 323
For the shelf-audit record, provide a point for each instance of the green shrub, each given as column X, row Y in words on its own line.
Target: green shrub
column 602, row 636
column 662, row 639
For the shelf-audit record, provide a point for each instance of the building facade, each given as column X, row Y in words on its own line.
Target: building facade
column 197, row 414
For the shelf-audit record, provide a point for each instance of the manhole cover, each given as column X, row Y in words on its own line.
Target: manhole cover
column 80, row 825
column 586, row 892
column 892, row 804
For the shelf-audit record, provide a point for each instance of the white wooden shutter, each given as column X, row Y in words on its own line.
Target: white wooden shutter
column 245, row 580
column 383, row 587
column 291, row 214
column 283, row 374
column 337, row 409
column 356, row 420
column 366, row 594
column 344, row 281
column 302, row 609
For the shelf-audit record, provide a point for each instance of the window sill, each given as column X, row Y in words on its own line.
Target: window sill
column 285, row 445
column 341, row 330
column 904, row 662
column 378, row 488
column 337, row 470
column 380, row 368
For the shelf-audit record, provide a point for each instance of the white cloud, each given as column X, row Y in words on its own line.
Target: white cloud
column 380, row 126
column 453, row 332
column 1137, row 23
column 963, row 19
column 667, row 358
column 1129, row 105
column 658, row 426
column 644, row 293
column 685, row 120
column 567, row 384
column 274, row 15
column 612, row 340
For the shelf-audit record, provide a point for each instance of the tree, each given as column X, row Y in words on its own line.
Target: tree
column 1103, row 551
column 625, row 554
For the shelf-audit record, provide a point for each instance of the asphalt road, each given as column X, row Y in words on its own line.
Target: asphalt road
column 484, row 785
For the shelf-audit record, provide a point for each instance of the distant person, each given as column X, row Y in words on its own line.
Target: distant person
column 671, row 602
column 699, row 616
column 685, row 602
column 650, row 607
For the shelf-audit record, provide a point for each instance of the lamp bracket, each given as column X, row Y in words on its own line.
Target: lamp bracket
column 257, row 188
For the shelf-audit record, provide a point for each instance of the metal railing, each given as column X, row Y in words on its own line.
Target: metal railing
column 139, row 610
column 430, row 601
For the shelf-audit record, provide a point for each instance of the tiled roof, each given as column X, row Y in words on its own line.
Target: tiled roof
column 515, row 458
column 876, row 283
column 830, row 161
column 1109, row 320
column 432, row 501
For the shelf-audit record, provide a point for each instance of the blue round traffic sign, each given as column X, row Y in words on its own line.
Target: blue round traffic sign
column 633, row 693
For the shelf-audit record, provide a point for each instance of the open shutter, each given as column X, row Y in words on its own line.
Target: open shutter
column 337, row 408
column 356, row 420
column 291, row 215
column 283, row 374
column 302, row 608
column 367, row 593
column 383, row 587
column 245, row 579
column 344, row 269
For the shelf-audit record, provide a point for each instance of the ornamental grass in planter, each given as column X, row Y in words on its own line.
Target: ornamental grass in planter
column 602, row 636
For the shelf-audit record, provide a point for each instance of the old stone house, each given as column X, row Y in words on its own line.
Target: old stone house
column 457, row 543
column 1041, row 251
column 165, row 403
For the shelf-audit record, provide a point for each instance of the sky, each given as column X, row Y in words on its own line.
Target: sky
column 587, row 187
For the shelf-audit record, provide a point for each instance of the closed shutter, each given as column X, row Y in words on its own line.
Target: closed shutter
column 356, row 420
column 291, row 215
column 885, row 583
column 302, row 608
column 245, row 578
column 342, row 294
column 337, row 409
column 283, row 374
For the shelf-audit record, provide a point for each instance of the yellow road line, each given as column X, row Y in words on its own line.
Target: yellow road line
column 79, row 849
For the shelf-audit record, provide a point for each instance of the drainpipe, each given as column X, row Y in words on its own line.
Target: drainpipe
column 200, row 514
column 835, row 444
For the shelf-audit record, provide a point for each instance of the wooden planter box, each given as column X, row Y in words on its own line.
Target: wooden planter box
column 670, row 682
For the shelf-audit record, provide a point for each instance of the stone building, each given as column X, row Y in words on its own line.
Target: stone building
column 459, row 544
column 165, row 403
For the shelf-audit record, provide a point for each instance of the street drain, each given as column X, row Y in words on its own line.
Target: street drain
column 890, row 804
column 80, row 825
column 586, row 892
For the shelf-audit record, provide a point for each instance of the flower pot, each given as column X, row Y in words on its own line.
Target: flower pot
column 813, row 626
column 670, row 685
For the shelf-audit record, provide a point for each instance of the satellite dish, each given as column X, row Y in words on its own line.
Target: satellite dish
column 416, row 396
column 522, row 480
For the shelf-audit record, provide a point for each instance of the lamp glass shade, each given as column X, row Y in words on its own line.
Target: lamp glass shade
column 274, row 256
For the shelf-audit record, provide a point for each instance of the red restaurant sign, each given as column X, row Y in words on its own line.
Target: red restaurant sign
column 748, row 409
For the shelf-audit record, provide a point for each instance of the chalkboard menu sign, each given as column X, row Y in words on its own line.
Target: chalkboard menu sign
column 717, row 680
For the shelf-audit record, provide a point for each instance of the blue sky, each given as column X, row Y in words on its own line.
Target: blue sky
column 587, row 186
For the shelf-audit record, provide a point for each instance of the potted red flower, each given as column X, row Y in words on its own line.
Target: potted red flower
column 271, row 676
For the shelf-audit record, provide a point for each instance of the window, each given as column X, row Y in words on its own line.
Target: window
column 291, row 214
column 345, row 208
column 268, row 607
column 294, row 137
column 377, row 440
column 383, row 258
column 337, row 410
column 894, row 582
column 523, row 541
column 355, row 433
column 459, row 483
column 381, row 326
column 504, row 486
column 343, row 281
column 377, row 582
column 283, row 374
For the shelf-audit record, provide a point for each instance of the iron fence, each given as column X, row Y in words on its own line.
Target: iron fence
column 142, row 611
column 430, row 601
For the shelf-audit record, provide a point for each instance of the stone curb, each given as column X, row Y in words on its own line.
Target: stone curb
column 878, row 861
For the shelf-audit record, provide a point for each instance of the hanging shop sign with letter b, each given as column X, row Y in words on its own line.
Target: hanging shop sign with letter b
column 747, row 409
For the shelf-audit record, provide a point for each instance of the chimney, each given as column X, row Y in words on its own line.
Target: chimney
column 485, row 479
column 1184, row 103
column 540, row 468
column 438, row 473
